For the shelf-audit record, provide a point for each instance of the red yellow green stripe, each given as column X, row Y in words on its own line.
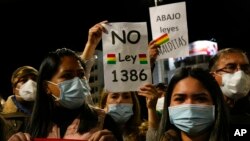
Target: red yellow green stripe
column 162, row 39
column 143, row 59
column 111, row 59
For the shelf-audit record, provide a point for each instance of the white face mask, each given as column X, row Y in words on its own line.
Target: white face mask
column 28, row 90
column 236, row 85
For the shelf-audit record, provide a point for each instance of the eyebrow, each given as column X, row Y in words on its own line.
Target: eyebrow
column 230, row 63
column 178, row 94
column 201, row 94
column 194, row 94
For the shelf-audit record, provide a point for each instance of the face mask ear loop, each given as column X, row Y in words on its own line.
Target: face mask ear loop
column 51, row 82
column 55, row 97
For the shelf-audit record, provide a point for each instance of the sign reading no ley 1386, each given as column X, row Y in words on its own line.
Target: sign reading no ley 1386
column 125, row 57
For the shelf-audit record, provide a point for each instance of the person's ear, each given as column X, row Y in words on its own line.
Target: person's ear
column 217, row 77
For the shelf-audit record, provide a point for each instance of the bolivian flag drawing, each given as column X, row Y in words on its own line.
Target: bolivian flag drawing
column 162, row 39
column 111, row 59
column 143, row 59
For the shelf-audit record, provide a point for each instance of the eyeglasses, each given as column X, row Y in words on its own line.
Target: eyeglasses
column 231, row 68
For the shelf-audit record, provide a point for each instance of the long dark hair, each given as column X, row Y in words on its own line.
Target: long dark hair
column 219, row 131
column 45, row 110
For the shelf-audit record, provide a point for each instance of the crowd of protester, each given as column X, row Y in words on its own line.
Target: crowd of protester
column 197, row 104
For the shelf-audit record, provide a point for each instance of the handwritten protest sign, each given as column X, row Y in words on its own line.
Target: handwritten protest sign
column 125, row 57
column 170, row 19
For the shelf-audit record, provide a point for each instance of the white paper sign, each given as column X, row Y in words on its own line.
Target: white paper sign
column 170, row 19
column 125, row 56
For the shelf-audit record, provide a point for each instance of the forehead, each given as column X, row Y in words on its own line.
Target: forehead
column 237, row 58
column 189, row 86
column 69, row 63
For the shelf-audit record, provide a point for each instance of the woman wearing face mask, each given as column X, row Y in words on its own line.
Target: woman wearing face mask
column 18, row 107
column 194, row 109
column 124, row 108
column 61, row 110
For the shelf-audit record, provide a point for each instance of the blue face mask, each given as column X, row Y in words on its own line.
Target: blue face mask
column 121, row 113
column 192, row 118
column 72, row 92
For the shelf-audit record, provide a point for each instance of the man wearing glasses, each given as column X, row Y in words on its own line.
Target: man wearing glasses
column 231, row 69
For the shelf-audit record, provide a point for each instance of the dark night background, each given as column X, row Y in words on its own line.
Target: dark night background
column 31, row 28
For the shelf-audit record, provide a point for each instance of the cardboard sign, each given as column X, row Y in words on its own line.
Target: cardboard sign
column 125, row 57
column 170, row 19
